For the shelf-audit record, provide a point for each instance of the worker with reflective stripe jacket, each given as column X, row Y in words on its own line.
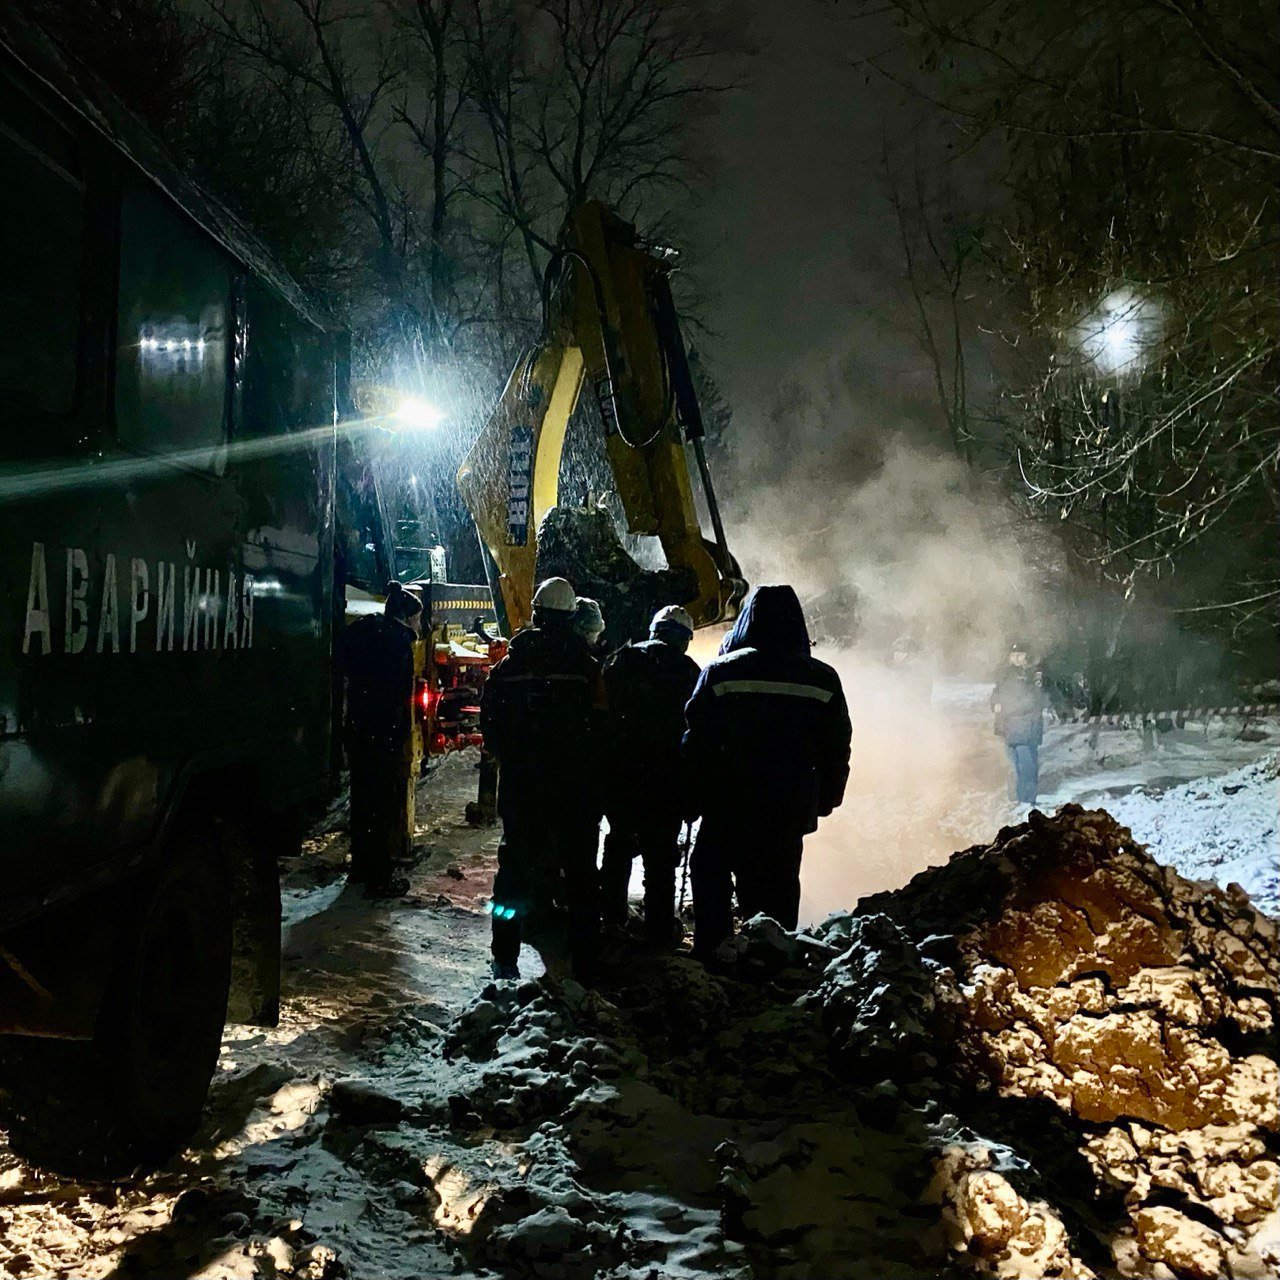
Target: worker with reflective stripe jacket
column 648, row 685
column 540, row 716
column 767, row 744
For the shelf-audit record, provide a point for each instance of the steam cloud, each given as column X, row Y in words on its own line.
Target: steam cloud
column 914, row 579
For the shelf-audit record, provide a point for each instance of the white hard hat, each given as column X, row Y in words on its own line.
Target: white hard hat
column 555, row 595
column 674, row 616
column 588, row 620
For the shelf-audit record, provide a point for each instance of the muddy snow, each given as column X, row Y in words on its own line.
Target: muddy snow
column 888, row 1094
column 309, row 1161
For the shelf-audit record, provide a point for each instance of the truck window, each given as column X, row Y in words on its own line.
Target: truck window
column 41, row 246
column 288, row 370
column 359, row 519
column 171, row 358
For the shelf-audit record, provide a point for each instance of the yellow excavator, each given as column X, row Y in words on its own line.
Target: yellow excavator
column 608, row 319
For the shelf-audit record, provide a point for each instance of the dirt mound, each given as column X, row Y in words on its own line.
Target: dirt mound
column 1111, row 1021
column 1049, row 1057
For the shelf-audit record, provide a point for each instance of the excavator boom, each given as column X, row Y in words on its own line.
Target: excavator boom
column 610, row 321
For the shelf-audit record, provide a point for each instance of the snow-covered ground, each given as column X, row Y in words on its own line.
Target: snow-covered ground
column 349, row 1142
column 930, row 777
column 1222, row 829
column 1205, row 799
column 1092, row 765
column 284, row 1176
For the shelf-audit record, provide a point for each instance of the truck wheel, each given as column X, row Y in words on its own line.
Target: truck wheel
column 131, row 1096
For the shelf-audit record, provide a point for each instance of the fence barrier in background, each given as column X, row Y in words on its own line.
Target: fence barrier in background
column 1137, row 719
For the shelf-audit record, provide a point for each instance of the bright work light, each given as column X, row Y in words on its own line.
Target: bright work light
column 418, row 414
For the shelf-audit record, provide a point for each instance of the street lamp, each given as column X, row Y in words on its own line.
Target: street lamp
column 1116, row 336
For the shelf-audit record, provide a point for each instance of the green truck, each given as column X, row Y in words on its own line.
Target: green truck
column 169, row 498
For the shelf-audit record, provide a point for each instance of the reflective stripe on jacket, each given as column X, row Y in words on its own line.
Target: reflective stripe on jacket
column 768, row 739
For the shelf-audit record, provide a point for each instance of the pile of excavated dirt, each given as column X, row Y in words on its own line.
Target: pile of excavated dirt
column 1109, row 1028
column 1049, row 1057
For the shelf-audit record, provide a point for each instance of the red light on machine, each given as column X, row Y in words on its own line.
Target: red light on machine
column 430, row 699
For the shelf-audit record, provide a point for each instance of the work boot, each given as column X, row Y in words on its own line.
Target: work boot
column 668, row 937
column 614, row 946
column 480, row 815
column 505, row 971
column 720, row 960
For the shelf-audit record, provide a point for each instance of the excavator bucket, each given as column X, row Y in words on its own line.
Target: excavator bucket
column 582, row 544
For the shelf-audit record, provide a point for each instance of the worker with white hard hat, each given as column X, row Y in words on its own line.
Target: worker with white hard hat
column 553, row 595
column 541, row 717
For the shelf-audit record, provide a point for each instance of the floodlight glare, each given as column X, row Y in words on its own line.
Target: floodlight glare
column 418, row 414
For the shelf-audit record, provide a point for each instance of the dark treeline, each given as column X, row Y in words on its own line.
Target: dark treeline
column 1116, row 280
column 1087, row 244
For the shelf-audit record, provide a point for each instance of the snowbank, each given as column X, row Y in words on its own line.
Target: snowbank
column 1224, row 829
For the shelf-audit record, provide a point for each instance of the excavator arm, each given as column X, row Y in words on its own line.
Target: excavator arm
column 610, row 321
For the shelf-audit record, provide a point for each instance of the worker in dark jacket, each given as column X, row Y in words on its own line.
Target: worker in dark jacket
column 377, row 658
column 1019, row 702
column 540, row 717
column 648, row 685
column 767, row 744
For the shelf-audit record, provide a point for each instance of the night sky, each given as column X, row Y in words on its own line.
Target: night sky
column 797, row 244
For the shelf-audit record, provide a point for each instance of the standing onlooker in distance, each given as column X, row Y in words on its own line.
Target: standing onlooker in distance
column 1018, row 701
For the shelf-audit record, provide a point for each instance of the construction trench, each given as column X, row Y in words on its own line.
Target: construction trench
column 1048, row 1057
